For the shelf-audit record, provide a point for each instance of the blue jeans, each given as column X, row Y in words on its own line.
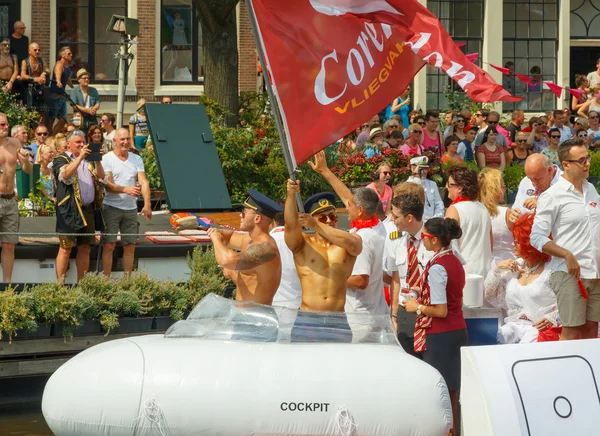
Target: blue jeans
column 316, row 327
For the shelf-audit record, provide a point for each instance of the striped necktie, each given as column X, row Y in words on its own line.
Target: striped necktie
column 412, row 276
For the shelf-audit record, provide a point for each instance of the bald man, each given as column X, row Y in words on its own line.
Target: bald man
column 541, row 174
column 19, row 43
column 125, row 181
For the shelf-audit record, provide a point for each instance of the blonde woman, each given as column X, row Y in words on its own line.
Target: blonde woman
column 60, row 143
column 45, row 155
column 491, row 193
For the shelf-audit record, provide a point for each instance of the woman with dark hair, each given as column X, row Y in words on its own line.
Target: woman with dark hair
column 521, row 287
column 582, row 83
column 552, row 150
column 476, row 242
column 94, row 134
column 489, row 153
column 538, row 138
column 440, row 329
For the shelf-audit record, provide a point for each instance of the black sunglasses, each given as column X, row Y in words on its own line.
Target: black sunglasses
column 555, row 136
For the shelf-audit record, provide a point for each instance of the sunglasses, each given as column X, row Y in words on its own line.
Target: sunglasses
column 244, row 213
column 593, row 117
column 555, row 136
column 492, row 122
column 582, row 136
column 421, row 123
column 478, row 115
column 5, row 45
column 41, row 133
column 330, row 217
column 386, row 173
column 521, row 140
column 427, row 236
column 581, row 161
column 417, row 131
column 460, row 120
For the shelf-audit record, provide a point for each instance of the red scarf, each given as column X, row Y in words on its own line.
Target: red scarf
column 459, row 199
column 365, row 224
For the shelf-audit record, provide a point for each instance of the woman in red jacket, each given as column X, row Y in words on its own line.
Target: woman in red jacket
column 440, row 329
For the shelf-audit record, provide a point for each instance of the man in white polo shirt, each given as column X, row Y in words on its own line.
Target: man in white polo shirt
column 125, row 180
column 569, row 211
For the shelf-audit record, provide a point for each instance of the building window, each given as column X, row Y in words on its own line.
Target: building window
column 531, row 43
column 180, row 42
column 81, row 25
column 464, row 22
column 585, row 19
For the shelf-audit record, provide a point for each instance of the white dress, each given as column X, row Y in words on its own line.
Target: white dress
column 524, row 304
column 475, row 245
column 501, row 236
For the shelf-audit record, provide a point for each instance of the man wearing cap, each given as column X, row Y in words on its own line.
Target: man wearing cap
column 365, row 285
column 324, row 260
column 434, row 205
column 255, row 267
column 86, row 99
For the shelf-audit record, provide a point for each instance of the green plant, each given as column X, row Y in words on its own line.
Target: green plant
column 151, row 168
column 595, row 164
column 513, row 174
column 206, row 276
column 458, row 99
column 17, row 113
column 60, row 304
column 15, row 313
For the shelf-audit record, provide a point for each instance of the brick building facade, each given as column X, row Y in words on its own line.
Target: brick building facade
column 169, row 33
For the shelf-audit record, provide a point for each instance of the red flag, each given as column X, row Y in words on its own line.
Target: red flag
column 524, row 79
column 579, row 94
column 331, row 61
column 503, row 70
column 461, row 44
column 472, row 56
column 557, row 90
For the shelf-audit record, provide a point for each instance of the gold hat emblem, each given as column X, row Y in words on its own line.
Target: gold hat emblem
column 324, row 202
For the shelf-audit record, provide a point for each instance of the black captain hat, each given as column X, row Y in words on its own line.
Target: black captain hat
column 262, row 204
column 319, row 203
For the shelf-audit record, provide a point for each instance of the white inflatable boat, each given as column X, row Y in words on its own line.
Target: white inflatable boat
column 232, row 369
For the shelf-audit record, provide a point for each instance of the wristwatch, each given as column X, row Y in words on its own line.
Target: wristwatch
column 419, row 310
column 393, row 315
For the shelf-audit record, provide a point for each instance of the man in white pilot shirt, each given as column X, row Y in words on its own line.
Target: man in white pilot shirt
column 434, row 205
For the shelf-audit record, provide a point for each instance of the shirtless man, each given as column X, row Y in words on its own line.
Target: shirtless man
column 325, row 259
column 256, row 268
column 11, row 151
column 9, row 66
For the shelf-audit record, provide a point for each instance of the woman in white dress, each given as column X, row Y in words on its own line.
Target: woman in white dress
column 521, row 287
column 491, row 192
column 476, row 242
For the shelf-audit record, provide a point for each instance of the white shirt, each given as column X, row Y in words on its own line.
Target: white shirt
column 397, row 257
column 475, row 245
column 123, row 174
column 289, row 293
column 109, row 136
column 573, row 220
column 369, row 262
column 434, row 205
column 389, row 227
column 502, row 237
column 527, row 190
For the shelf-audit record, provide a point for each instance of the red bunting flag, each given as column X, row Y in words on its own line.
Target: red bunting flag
column 579, row 94
column 557, row 90
column 503, row 70
column 524, row 79
column 472, row 56
column 335, row 63
column 461, row 44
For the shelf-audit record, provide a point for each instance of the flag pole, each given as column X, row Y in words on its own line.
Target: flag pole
column 276, row 114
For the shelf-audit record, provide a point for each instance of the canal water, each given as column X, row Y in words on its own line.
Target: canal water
column 21, row 407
